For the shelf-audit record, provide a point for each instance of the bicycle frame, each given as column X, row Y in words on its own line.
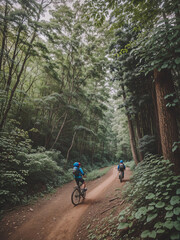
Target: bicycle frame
column 77, row 195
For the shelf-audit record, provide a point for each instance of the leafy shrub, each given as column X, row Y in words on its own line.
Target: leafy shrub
column 97, row 174
column 57, row 157
column 131, row 165
column 13, row 170
column 25, row 171
column 42, row 169
column 155, row 195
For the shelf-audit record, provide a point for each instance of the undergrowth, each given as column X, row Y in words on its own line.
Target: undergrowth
column 97, row 173
column 154, row 193
column 27, row 173
column 131, row 165
column 153, row 212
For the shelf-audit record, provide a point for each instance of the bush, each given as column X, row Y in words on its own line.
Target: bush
column 97, row 174
column 25, row 171
column 14, row 145
column 42, row 169
column 154, row 192
column 131, row 165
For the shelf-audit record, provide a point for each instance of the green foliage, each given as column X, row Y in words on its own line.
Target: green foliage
column 13, row 145
column 42, row 169
column 175, row 146
column 26, row 171
column 172, row 101
column 82, row 128
column 131, row 165
column 155, row 199
column 148, row 234
column 164, row 39
column 97, row 173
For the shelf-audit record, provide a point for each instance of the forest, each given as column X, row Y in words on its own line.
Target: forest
column 92, row 81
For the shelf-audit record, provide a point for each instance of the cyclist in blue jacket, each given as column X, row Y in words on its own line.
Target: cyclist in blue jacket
column 121, row 167
column 78, row 175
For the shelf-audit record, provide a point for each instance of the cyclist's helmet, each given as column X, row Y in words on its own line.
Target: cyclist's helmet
column 76, row 164
column 121, row 161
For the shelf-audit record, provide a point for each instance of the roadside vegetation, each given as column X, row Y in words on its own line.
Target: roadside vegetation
column 153, row 198
column 97, row 173
column 154, row 194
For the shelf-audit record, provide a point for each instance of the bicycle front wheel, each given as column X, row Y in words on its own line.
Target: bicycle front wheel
column 75, row 197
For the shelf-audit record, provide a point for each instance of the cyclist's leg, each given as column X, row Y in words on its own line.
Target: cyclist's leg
column 77, row 181
column 83, row 183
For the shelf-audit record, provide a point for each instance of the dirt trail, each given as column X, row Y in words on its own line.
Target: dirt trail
column 55, row 218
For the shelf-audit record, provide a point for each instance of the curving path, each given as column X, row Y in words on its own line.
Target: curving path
column 55, row 218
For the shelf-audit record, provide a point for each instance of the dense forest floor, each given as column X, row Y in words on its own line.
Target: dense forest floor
column 55, row 218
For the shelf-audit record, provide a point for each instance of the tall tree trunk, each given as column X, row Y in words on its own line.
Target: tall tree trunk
column 60, row 130
column 13, row 61
column 67, row 157
column 141, row 156
column 8, row 107
column 4, row 35
column 132, row 140
column 131, row 132
column 18, row 78
column 167, row 116
column 159, row 148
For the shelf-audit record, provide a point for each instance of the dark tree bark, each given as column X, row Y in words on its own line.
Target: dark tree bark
column 132, row 140
column 167, row 116
column 158, row 137
column 4, row 35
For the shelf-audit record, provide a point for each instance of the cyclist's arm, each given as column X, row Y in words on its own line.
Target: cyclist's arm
column 81, row 171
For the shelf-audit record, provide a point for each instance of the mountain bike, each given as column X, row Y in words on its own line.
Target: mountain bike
column 78, row 195
column 121, row 176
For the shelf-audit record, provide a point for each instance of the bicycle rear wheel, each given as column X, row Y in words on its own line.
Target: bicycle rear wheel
column 120, row 176
column 75, row 197
column 84, row 194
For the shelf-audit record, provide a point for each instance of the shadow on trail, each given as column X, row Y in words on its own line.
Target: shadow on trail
column 125, row 180
column 90, row 201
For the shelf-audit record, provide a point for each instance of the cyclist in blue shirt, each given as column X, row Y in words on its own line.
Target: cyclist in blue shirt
column 121, row 167
column 78, row 175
